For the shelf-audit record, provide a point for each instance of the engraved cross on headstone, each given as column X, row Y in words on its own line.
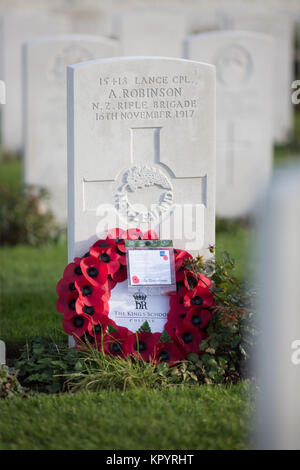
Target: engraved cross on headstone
column 145, row 151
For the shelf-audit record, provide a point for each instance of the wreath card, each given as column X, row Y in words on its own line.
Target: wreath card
column 151, row 263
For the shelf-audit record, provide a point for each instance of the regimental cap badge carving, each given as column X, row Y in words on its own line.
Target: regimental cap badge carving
column 143, row 176
column 138, row 177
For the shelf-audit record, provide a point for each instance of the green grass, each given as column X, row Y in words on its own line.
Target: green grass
column 239, row 246
column 28, row 299
column 291, row 151
column 10, row 173
column 205, row 417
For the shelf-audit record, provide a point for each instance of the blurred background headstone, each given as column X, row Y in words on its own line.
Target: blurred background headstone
column 15, row 28
column 279, row 25
column 45, row 114
column 277, row 359
column 150, row 32
column 244, row 62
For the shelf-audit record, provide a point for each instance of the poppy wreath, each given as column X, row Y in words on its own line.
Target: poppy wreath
column 85, row 289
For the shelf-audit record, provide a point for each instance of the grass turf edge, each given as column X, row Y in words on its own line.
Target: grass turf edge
column 205, row 417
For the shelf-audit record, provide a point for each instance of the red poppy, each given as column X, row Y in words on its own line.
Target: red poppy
column 107, row 256
column 168, row 352
column 76, row 325
column 180, row 275
column 178, row 296
column 116, row 233
column 150, row 235
column 133, row 234
column 118, row 253
column 188, row 339
column 86, row 338
column 197, row 318
column 91, row 295
column 113, row 342
column 99, row 329
column 65, row 287
column 111, row 283
column 199, row 297
column 190, row 280
column 73, row 270
column 66, row 304
column 194, row 280
column 94, row 271
column 170, row 328
column 103, row 244
column 120, row 275
column 180, row 257
column 141, row 344
column 176, row 316
column 96, row 312
column 121, row 249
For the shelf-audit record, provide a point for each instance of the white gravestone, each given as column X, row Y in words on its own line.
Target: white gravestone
column 155, row 32
column 279, row 26
column 141, row 153
column 45, row 114
column 15, row 28
column 141, row 150
column 244, row 114
column 278, row 356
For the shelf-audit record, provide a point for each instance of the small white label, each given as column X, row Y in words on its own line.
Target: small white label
column 149, row 267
